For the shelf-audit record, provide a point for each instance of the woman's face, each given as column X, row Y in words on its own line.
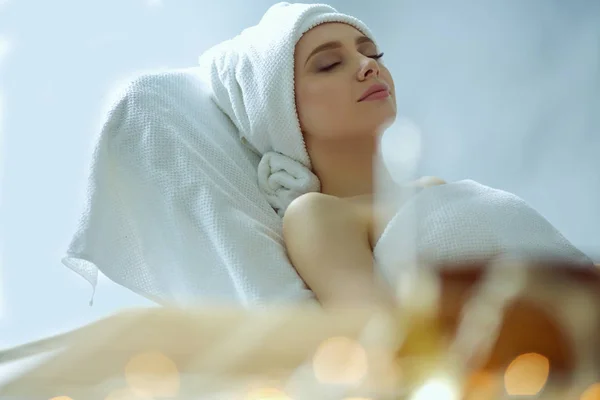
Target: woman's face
column 334, row 65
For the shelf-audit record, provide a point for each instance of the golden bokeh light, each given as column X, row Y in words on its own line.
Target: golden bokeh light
column 592, row 393
column 436, row 389
column 152, row 374
column 267, row 394
column 527, row 375
column 340, row 360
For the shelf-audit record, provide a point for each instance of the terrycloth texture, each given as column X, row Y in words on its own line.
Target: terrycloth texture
column 283, row 179
column 464, row 221
column 176, row 210
column 252, row 78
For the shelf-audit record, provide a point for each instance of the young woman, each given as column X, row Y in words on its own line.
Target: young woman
column 344, row 97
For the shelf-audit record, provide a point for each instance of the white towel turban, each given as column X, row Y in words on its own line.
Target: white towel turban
column 252, row 78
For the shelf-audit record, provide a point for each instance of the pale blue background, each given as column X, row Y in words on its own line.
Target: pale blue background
column 507, row 93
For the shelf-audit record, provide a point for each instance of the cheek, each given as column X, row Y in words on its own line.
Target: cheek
column 320, row 103
column 322, row 95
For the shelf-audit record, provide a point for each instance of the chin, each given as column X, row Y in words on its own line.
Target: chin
column 372, row 123
column 384, row 122
column 376, row 128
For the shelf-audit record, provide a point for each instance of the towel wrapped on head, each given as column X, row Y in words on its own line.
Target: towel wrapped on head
column 252, row 78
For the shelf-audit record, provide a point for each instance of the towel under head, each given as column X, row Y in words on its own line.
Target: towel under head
column 252, row 80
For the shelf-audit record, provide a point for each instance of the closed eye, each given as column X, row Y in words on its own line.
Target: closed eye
column 377, row 56
column 329, row 67
column 332, row 66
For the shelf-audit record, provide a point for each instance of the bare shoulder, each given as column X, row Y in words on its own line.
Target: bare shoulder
column 314, row 202
column 320, row 207
column 313, row 215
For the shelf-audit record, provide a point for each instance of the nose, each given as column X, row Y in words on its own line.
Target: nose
column 368, row 68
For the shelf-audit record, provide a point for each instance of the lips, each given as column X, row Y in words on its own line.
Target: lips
column 376, row 88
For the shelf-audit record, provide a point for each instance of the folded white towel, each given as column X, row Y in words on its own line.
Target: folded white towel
column 464, row 221
column 252, row 78
column 283, row 179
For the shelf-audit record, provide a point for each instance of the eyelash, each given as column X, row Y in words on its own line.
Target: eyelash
column 332, row 66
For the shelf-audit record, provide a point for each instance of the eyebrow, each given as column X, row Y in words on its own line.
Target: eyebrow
column 336, row 45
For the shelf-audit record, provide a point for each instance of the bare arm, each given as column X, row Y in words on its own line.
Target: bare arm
column 328, row 242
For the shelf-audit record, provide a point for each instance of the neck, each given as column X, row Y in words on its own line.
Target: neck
column 345, row 168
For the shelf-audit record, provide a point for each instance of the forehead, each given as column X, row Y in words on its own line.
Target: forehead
column 327, row 32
